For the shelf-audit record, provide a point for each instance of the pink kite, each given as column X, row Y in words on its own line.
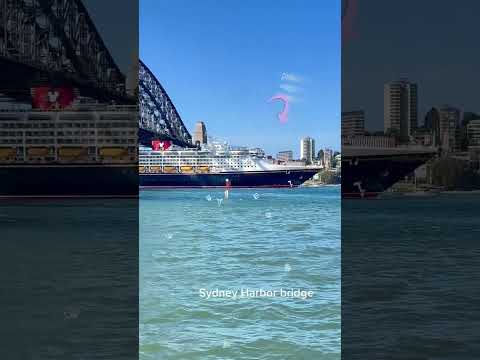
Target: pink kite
column 282, row 115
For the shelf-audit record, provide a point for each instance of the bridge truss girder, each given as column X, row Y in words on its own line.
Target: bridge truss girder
column 157, row 112
column 58, row 37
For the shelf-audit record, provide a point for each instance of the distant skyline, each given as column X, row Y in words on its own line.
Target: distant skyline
column 433, row 44
column 221, row 62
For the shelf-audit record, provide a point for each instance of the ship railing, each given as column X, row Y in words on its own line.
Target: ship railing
column 73, row 108
column 150, row 167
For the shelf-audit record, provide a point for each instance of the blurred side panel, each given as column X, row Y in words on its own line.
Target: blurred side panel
column 410, row 180
column 69, row 179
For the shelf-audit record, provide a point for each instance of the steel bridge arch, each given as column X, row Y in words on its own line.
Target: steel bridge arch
column 58, row 39
column 158, row 115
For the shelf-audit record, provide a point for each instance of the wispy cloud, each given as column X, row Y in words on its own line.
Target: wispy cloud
column 292, row 78
column 289, row 88
column 294, row 99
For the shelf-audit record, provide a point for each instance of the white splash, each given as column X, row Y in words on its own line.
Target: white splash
column 208, row 197
column 169, row 236
column 226, row 344
column 268, row 215
column 219, row 201
column 256, row 196
column 287, row 268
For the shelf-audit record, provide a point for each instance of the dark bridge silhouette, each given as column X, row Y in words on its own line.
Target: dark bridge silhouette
column 56, row 42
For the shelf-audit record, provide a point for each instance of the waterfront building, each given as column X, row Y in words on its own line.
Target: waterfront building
column 377, row 141
column 307, row 149
column 338, row 161
column 200, row 133
column 353, row 123
column 432, row 123
column 400, row 108
column 285, row 155
column 449, row 128
column 327, row 158
column 424, row 136
column 473, row 133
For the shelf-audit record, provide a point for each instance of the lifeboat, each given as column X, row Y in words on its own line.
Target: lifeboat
column 113, row 152
column 170, row 169
column 155, row 169
column 203, row 169
column 141, row 169
column 186, row 169
column 7, row 153
column 72, row 152
column 38, row 151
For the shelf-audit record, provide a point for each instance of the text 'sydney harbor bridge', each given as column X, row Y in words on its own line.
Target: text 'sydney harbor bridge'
column 56, row 42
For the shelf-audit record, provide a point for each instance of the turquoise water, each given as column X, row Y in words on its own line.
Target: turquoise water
column 190, row 242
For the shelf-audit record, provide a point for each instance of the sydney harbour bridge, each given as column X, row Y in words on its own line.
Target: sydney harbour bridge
column 158, row 115
column 56, row 41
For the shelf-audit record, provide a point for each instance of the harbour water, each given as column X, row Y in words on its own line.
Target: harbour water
column 194, row 241
column 410, row 277
column 69, row 279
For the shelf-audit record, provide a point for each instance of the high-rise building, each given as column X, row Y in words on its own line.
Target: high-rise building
column 473, row 133
column 449, row 128
column 400, row 108
column 327, row 158
column 285, row 155
column 200, row 133
column 432, row 123
column 353, row 123
column 307, row 149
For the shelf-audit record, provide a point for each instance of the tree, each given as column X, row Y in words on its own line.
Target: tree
column 328, row 177
column 320, row 155
column 454, row 174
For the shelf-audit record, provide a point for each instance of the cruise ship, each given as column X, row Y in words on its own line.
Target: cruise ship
column 85, row 150
column 215, row 165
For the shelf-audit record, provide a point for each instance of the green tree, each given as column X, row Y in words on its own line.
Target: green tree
column 328, row 177
column 454, row 174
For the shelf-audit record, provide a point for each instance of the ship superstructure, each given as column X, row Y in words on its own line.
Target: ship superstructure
column 89, row 149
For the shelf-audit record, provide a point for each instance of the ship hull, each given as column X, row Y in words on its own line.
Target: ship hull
column 250, row 179
column 369, row 176
column 68, row 181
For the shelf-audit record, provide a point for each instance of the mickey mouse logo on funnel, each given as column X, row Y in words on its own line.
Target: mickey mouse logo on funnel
column 161, row 145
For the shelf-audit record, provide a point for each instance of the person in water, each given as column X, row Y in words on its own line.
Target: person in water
column 228, row 185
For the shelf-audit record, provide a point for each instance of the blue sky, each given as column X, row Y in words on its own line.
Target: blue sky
column 221, row 61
